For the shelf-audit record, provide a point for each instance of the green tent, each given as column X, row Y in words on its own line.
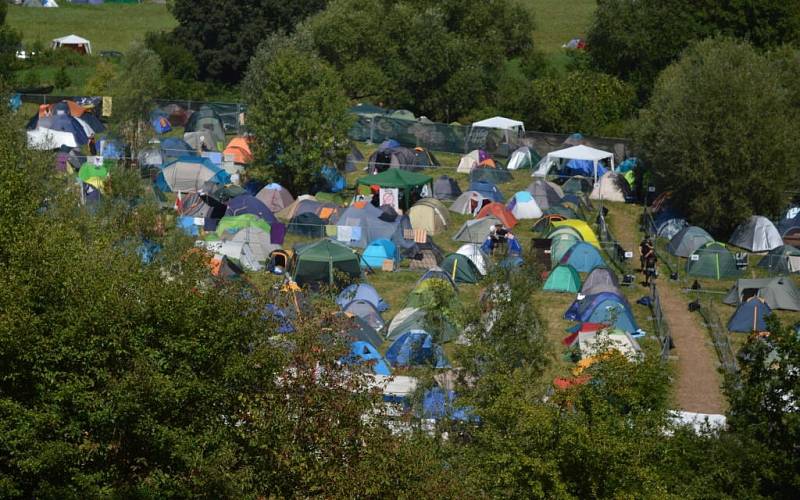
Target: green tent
column 560, row 245
column 319, row 262
column 782, row 260
column 337, row 198
column 235, row 223
column 90, row 170
column 563, row 279
column 460, row 268
column 403, row 180
column 712, row 260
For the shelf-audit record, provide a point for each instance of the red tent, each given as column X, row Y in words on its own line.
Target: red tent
column 501, row 212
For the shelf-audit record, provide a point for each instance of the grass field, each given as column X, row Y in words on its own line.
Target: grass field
column 557, row 22
column 107, row 26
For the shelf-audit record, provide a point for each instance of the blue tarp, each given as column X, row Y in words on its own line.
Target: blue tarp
column 416, row 348
column 160, row 121
column 584, row 168
column 439, row 404
column 365, row 353
column 330, row 180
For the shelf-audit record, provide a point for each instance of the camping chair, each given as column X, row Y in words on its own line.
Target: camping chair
column 741, row 260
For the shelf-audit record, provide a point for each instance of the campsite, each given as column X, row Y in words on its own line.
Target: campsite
column 251, row 254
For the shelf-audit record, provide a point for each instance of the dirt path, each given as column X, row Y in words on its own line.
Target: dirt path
column 697, row 385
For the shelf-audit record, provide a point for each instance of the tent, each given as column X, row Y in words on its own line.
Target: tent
column 498, row 211
column 379, row 251
column 207, row 121
column 354, row 158
column 563, row 279
column 670, row 227
column 446, row 188
column 523, row 206
column 750, row 316
column 577, row 184
column 688, row 240
column 190, row 174
column 238, row 251
column 595, row 343
column 365, row 310
column 429, row 214
column 712, row 260
column 329, row 179
column 586, row 232
column 611, row 187
column 580, row 153
column 307, row 224
column 560, row 245
column 487, row 190
column 362, row 291
column 407, row 182
column 583, row 257
column 238, row 149
column 275, row 197
column 433, row 291
column 477, row 230
column 545, row 193
column 460, row 268
column 406, row 320
column 477, row 256
column 600, row 280
column 364, row 353
column 160, row 121
column 40, row 3
column 356, row 329
column 472, row 160
column 436, row 273
column 249, row 204
column 778, row 293
column 469, row 202
column 320, row 262
column 260, row 241
column 234, row 223
column 389, row 156
column 416, row 348
column 173, row 148
column 523, row 157
column 500, row 123
column 608, row 309
column 361, row 223
column 784, row 259
column 493, row 174
column 72, row 42
column 757, row 234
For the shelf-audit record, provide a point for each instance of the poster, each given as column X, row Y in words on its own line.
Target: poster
column 390, row 196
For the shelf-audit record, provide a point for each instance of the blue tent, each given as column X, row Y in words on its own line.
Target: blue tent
column 362, row 291
column 112, row 149
column 438, row 404
column 365, row 353
column 62, row 121
column 330, row 180
column 603, row 307
column 583, row 168
column 583, row 257
column 173, row 148
column 487, row 190
column 416, row 348
column 160, row 121
column 249, row 204
column 378, row 251
column 750, row 316
column 577, row 310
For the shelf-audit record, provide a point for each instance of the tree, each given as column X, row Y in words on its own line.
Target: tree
column 636, row 39
column 62, row 79
column 297, row 112
column 223, row 34
column 9, row 43
column 718, row 135
column 440, row 59
column 136, row 86
column 103, row 78
column 179, row 68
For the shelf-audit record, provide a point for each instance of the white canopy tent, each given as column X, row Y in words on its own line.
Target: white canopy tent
column 72, row 42
column 502, row 123
column 574, row 153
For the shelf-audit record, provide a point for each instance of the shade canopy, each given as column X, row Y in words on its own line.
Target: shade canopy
column 584, row 153
column 397, row 178
column 500, row 122
column 72, row 41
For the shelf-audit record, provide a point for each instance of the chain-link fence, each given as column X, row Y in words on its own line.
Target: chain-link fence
column 659, row 321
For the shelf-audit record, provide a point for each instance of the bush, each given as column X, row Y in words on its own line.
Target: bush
column 62, row 79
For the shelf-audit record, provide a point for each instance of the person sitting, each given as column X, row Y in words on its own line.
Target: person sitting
column 498, row 236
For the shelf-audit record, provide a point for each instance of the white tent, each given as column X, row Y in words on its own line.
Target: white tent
column 475, row 254
column 72, row 41
column 575, row 153
column 45, row 138
column 501, row 123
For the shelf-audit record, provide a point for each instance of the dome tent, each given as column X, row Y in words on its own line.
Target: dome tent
column 365, row 310
column 583, row 257
column 712, row 260
column 474, row 253
column 319, row 262
column 362, row 291
column 784, row 259
column 446, row 188
column 469, row 202
column 545, row 193
column 757, row 234
column 599, row 280
column 611, row 187
column 460, row 268
column 779, row 293
column 429, row 214
column 688, row 240
column 563, row 279
column 750, row 316
column 523, row 157
column 189, row 174
column 523, row 206
column 364, row 353
column 476, row 230
column 379, row 251
column 275, row 197
column 499, row 211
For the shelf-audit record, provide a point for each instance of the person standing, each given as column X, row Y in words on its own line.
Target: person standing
column 92, row 145
column 650, row 262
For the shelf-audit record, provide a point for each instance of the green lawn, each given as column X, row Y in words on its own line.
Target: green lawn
column 558, row 21
column 107, row 26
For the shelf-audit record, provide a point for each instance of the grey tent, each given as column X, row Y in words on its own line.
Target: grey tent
column 207, row 120
column 477, row 230
column 599, row 280
column 670, row 227
column 446, row 188
column 545, row 193
column 470, row 202
column 258, row 240
column 366, row 311
column 370, row 227
column 784, row 259
column 398, row 157
column 354, row 158
column 688, row 240
column 778, row 293
column 410, row 318
column 757, row 234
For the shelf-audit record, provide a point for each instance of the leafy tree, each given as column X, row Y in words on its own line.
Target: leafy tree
column 179, row 67
column 440, row 59
column 62, row 79
column 9, row 43
column 636, row 39
column 103, row 78
column 134, row 89
column 718, row 134
column 297, row 113
column 583, row 101
column 223, row 34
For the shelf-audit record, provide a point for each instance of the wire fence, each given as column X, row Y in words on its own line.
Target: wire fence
column 659, row 321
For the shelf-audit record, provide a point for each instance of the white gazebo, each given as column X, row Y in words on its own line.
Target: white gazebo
column 576, row 153
column 74, row 42
column 511, row 128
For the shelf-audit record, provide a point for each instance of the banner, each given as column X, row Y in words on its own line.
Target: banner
column 390, row 196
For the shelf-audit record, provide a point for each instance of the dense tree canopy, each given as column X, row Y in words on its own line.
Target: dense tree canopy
column 719, row 134
column 9, row 41
column 440, row 59
column 297, row 113
column 224, row 34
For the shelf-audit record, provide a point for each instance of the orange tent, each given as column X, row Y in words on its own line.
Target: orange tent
column 239, row 148
column 75, row 109
column 501, row 212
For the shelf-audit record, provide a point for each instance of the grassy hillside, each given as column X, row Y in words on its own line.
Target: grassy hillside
column 107, row 26
column 558, row 21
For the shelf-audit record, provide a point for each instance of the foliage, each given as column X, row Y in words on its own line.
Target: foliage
column 636, row 39
column 62, row 80
column 178, row 67
column 135, row 87
column 718, row 134
column 223, row 34
column 9, row 41
column 31, row 78
column 582, row 101
column 440, row 59
column 297, row 114
column 103, row 78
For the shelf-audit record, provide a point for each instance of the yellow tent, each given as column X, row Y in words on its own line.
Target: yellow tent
column 583, row 228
